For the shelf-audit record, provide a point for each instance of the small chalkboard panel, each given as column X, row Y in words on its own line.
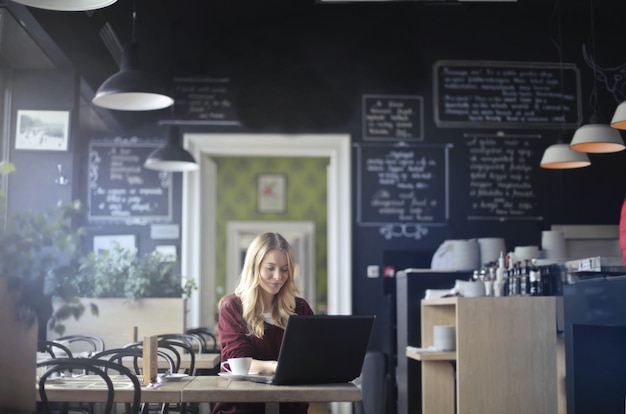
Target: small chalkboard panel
column 502, row 171
column 204, row 101
column 402, row 184
column 487, row 94
column 392, row 118
column 121, row 189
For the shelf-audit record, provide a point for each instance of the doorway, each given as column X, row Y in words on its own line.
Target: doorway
column 199, row 219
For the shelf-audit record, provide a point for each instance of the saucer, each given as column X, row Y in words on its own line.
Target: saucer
column 172, row 377
column 234, row 377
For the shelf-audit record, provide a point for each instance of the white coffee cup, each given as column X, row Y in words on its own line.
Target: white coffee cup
column 444, row 337
column 237, row 366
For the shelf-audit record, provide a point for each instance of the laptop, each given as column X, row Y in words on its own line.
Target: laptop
column 320, row 349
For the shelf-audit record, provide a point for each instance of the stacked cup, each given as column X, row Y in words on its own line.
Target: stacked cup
column 490, row 248
column 444, row 337
column 553, row 244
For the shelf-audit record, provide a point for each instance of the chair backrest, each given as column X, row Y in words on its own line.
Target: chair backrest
column 135, row 354
column 165, row 347
column 193, row 341
column 373, row 382
column 89, row 343
column 54, row 349
column 183, row 348
column 93, row 366
column 207, row 337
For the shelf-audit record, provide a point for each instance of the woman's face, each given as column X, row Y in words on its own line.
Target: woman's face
column 274, row 272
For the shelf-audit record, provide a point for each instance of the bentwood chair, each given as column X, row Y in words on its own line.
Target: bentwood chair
column 54, row 349
column 164, row 347
column 373, row 383
column 193, row 341
column 135, row 354
column 207, row 337
column 83, row 343
column 175, row 348
column 118, row 355
column 97, row 367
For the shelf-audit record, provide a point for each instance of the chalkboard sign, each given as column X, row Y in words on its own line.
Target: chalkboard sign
column 121, row 189
column 402, row 185
column 204, row 101
column 502, row 171
column 387, row 118
column 506, row 94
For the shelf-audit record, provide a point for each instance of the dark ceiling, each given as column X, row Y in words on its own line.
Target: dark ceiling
column 226, row 38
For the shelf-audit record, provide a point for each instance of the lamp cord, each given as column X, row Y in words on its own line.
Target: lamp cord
column 133, row 27
column 558, row 44
column 593, row 98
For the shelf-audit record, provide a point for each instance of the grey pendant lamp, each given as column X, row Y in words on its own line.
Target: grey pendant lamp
column 131, row 89
column 172, row 156
column 561, row 157
column 66, row 5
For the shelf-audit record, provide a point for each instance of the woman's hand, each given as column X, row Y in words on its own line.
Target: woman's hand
column 263, row 367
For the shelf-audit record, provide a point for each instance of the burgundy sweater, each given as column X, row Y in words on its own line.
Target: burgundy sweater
column 235, row 343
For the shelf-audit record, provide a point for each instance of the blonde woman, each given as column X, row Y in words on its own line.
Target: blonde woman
column 252, row 320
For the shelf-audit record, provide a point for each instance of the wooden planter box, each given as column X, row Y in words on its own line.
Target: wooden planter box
column 18, row 353
column 118, row 317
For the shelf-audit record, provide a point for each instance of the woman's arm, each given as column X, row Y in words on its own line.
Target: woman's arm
column 263, row 367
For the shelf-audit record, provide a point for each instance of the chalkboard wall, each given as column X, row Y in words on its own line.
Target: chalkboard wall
column 395, row 76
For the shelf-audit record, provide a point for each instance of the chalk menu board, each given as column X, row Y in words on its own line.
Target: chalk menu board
column 393, row 117
column 204, row 101
column 121, row 189
column 402, row 185
column 490, row 94
column 502, row 171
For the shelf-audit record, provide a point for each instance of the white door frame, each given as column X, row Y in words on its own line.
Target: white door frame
column 199, row 205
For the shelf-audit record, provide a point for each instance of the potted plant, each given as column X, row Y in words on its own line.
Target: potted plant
column 122, row 273
column 136, row 295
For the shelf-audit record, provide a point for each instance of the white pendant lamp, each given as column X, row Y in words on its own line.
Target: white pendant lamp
column 597, row 138
column 172, row 156
column 66, row 5
column 619, row 117
column 560, row 156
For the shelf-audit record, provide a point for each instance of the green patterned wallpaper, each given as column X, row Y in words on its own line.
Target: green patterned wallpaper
column 306, row 200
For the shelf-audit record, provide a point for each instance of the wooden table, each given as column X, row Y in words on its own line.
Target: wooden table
column 91, row 388
column 213, row 388
column 200, row 389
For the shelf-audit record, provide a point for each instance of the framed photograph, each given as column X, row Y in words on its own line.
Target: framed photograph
column 167, row 251
column 104, row 243
column 42, row 130
column 271, row 193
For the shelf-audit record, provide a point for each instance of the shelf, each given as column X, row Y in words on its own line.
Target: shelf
column 440, row 301
column 432, row 355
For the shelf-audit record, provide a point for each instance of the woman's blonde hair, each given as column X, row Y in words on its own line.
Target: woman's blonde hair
column 249, row 291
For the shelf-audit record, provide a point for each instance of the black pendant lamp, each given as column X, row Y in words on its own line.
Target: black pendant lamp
column 172, row 156
column 131, row 89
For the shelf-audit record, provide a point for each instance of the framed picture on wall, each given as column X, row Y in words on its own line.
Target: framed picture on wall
column 271, row 193
column 42, row 130
column 167, row 252
column 104, row 243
